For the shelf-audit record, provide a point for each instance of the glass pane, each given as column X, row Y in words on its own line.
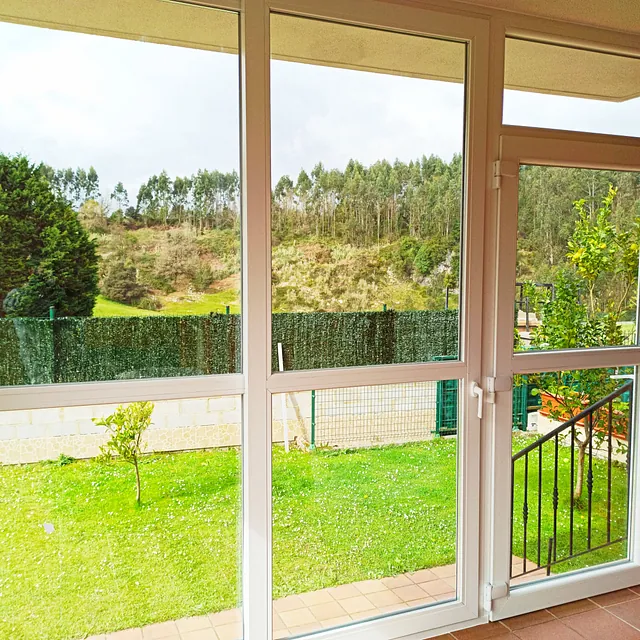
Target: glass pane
column 559, row 87
column 364, row 502
column 81, row 557
column 119, row 164
column 367, row 165
column 570, row 470
column 577, row 259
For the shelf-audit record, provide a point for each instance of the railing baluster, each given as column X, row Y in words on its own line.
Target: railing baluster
column 525, row 513
column 555, row 500
column 513, row 465
column 589, row 434
column 593, row 419
column 539, row 499
column 573, row 458
column 609, row 454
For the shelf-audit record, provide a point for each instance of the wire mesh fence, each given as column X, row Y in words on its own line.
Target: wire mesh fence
column 374, row 415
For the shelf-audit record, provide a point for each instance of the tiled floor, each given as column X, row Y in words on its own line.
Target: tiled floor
column 316, row 610
column 312, row 611
column 613, row 616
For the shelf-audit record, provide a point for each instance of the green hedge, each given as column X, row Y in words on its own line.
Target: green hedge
column 89, row 349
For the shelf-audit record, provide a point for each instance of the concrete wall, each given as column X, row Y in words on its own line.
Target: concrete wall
column 367, row 415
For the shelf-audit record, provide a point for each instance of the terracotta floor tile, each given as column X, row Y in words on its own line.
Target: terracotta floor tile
column 410, row 592
column 628, row 611
column 481, row 632
column 305, row 628
column 397, row 581
column 424, row 575
column 278, row 623
column 554, row 630
column 316, row 597
column 435, row 587
column 200, row 634
column 327, row 610
column 336, row 622
column 297, row 617
column 127, row 634
column 571, row 608
column 449, row 595
column 607, row 599
column 344, row 591
column 231, row 631
column 281, row 634
column 448, row 571
column 225, row 617
column 288, row 604
column 420, row 602
column 193, row 624
column 393, row 608
column 446, row 636
column 528, row 620
column 356, row 604
column 370, row 586
column 162, row 630
column 384, row 598
column 600, row 624
column 635, row 589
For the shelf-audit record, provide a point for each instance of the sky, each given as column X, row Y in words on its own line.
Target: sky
column 132, row 109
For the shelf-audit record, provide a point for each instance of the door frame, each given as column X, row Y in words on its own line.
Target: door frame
column 522, row 146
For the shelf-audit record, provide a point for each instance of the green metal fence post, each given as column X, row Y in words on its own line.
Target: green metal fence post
column 313, row 419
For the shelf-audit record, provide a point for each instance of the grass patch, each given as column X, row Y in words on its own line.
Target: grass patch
column 109, row 309
column 205, row 303
column 619, row 495
column 339, row 516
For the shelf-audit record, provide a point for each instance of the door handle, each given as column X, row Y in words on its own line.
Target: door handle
column 477, row 392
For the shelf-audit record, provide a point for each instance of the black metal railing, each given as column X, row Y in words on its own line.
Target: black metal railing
column 604, row 422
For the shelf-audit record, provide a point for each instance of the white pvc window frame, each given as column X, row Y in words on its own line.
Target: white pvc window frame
column 261, row 383
column 524, row 146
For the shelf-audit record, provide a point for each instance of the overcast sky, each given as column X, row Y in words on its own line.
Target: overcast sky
column 131, row 109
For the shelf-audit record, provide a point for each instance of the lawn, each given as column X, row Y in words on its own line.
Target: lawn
column 339, row 516
column 173, row 305
column 108, row 309
column 619, row 493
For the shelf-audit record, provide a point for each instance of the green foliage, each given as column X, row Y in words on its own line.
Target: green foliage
column 203, row 278
column 48, row 258
column 431, row 254
column 125, row 427
column 120, row 283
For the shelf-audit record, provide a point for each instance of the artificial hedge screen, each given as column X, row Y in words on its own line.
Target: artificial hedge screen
column 39, row 351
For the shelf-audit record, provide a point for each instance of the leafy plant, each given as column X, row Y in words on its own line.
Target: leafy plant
column 126, row 427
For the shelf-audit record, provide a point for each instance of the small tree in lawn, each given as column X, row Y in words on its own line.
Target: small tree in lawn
column 597, row 251
column 126, row 427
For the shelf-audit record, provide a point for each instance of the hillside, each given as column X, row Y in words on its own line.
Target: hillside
column 178, row 271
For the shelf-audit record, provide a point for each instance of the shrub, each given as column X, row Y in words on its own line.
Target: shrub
column 429, row 256
column 150, row 303
column 120, row 283
column 203, row 278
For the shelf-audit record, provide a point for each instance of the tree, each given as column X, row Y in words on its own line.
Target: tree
column 597, row 251
column 48, row 258
column 120, row 283
column 126, row 427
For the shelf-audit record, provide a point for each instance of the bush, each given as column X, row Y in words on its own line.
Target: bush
column 150, row 303
column 431, row 254
column 120, row 283
column 203, row 278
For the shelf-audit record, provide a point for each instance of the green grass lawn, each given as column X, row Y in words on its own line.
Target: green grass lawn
column 206, row 303
column 599, row 509
column 339, row 516
column 108, row 309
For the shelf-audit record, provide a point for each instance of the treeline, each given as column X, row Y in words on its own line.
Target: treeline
column 380, row 203
column 547, row 214
column 205, row 200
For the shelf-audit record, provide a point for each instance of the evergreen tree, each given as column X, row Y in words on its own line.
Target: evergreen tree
column 48, row 258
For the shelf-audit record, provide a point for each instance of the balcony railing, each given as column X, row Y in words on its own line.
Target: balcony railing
column 604, row 422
